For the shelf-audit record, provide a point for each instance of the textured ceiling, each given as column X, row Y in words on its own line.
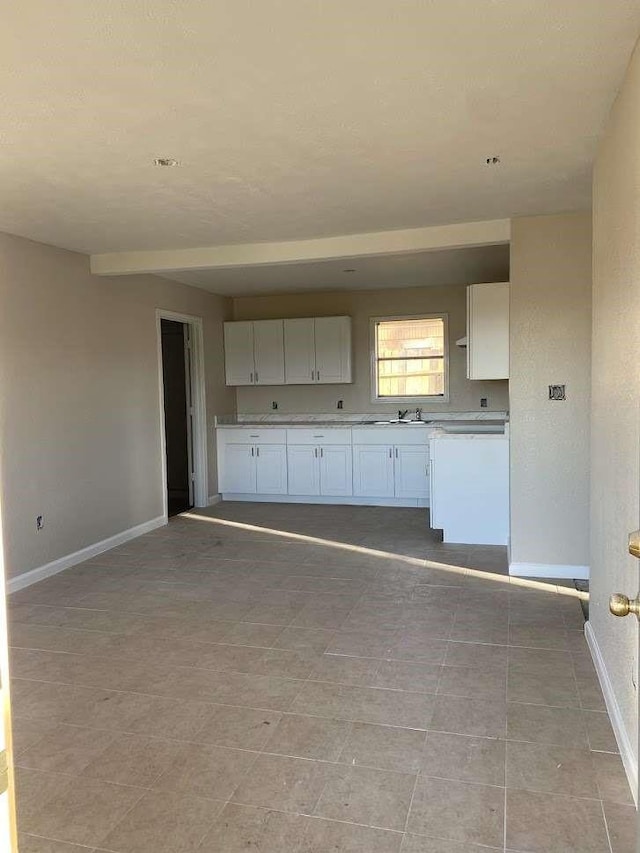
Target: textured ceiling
column 297, row 119
column 458, row 266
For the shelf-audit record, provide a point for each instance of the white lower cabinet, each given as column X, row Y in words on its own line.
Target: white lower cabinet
column 303, row 468
column 336, row 470
column 411, row 471
column 401, row 471
column 238, row 469
column 373, row 471
column 323, row 470
column 250, row 469
column 271, row 469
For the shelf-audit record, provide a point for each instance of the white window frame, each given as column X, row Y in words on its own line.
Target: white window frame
column 373, row 322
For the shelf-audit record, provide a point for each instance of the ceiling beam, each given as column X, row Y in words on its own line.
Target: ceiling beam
column 460, row 235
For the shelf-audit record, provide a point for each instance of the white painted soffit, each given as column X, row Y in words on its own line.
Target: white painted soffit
column 457, row 236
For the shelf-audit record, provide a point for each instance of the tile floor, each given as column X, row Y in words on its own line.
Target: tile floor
column 262, row 677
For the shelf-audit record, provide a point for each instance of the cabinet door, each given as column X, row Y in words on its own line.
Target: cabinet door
column 488, row 331
column 333, row 349
column 238, row 469
column 268, row 348
column 373, row 471
column 299, row 352
column 303, row 469
column 336, row 470
column 271, row 469
column 411, row 471
column 238, row 353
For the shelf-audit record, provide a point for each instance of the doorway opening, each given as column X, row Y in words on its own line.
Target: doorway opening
column 178, row 415
column 183, row 424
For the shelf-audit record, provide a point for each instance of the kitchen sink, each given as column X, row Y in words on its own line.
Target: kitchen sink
column 395, row 421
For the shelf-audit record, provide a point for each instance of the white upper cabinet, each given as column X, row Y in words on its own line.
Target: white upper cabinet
column 299, row 352
column 238, row 353
column 488, row 331
column 317, row 350
column 254, row 352
column 268, row 350
column 333, row 349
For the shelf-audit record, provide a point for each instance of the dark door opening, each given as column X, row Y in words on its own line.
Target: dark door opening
column 176, row 371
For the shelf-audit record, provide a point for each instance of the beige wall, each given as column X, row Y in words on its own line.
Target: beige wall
column 550, row 344
column 79, row 409
column 361, row 305
column 616, row 389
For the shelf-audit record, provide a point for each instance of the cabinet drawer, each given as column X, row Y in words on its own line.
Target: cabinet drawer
column 249, row 435
column 391, row 435
column 318, row 436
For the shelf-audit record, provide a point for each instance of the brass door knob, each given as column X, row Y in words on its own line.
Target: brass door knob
column 622, row 605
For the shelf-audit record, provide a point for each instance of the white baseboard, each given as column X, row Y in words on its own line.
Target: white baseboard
column 214, row 499
column 548, row 570
column 629, row 759
column 62, row 563
column 327, row 499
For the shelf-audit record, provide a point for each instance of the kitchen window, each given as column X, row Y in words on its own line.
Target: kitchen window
column 409, row 358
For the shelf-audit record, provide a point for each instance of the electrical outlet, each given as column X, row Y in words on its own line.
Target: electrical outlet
column 557, row 392
column 483, row 402
column 274, row 405
column 340, row 404
column 39, row 522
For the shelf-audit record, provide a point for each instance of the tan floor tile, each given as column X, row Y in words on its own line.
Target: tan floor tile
column 344, row 669
column 316, row 639
column 33, row 844
column 368, row 796
column 133, row 760
column 365, row 704
column 622, row 823
column 285, row 784
column 473, row 682
column 206, row 771
column 241, row 728
column 543, row 688
column 83, row 812
column 476, row 655
column 407, row 675
column 252, row 634
column 458, row 811
column 164, row 823
column 324, row 835
column 542, row 724
column 67, row 749
column 468, row 759
column 308, row 737
column 551, row 769
column 241, row 828
column 612, row 780
column 477, row 717
column 599, row 731
column 543, row 822
column 383, row 747
column 34, row 789
column 27, row 732
column 422, row 844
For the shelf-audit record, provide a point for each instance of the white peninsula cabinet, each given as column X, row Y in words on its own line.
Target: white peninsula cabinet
column 488, row 331
column 252, row 461
column 254, row 352
column 319, row 462
column 317, row 350
column 391, row 463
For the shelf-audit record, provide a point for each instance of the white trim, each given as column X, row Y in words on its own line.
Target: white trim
column 327, row 499
column 214, row 499
column 373, row 358
column 629, row 758
column 62, row 563
column 198, row 398
column 548, row 570
column 456, row 236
